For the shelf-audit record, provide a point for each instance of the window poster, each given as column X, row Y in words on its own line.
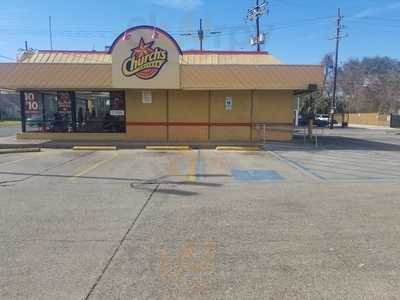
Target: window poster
column 64, row 102
column 32, row 103
column 117, row 105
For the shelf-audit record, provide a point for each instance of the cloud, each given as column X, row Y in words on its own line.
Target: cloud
column 180, row 4
column 376, row 11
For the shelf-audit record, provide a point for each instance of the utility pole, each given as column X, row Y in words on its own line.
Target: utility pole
column 258, row 26
column 50, row 33
column 200, row 33
column 256, row 13
column 339, row 28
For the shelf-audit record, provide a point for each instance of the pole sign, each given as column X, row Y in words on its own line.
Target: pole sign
column 32, row 103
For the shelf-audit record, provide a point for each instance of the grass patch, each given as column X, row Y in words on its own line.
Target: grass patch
column 9, row 123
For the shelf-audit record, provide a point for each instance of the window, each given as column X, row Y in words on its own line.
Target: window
column 57, row 111
column 33, row 111
column 100, row 111
column 79, row 112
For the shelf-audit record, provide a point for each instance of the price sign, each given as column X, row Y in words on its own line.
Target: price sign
column 32, row 103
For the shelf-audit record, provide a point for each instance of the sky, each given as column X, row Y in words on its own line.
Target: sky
column 297, row 32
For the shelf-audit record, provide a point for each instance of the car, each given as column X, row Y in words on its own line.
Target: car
column 321, row 120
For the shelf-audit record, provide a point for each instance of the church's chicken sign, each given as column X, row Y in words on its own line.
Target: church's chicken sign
column 145, row 61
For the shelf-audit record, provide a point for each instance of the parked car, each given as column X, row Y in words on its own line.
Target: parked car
column 34, row 122
column 322, row 120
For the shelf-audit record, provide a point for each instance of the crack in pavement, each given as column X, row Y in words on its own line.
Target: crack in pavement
column 7, row 182
column 124, row 238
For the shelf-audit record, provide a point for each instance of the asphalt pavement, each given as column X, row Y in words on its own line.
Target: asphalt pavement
column 290, row 222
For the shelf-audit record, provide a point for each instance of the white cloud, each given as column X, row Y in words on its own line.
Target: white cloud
column 376, row 11
column 180, row 4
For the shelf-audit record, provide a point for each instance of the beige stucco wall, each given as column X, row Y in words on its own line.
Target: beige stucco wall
column 188, row 108
column 275, row 109
column 142, row 118
column 240, row 114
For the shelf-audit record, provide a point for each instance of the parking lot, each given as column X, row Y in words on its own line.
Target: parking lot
column 289, row 222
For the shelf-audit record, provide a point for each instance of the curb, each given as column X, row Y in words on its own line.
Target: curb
column 20, row 150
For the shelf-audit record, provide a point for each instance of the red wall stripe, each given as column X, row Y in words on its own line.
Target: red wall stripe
column 204, row 124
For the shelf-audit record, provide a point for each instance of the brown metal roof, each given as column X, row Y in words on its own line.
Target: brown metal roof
column 55, row 76
column 189, row 57
column 66, row 57
column 263, row 77
column 228, row 58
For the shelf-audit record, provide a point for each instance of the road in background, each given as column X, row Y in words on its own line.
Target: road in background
column 8, row 131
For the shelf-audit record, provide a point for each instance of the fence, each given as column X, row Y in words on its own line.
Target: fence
column 369, row 119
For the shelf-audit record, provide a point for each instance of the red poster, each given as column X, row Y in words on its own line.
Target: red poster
column 117, row 101
column 117, row 105
column 64, row 103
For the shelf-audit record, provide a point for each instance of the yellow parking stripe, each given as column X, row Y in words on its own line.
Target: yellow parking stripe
column 192, row 167
column 93, row 167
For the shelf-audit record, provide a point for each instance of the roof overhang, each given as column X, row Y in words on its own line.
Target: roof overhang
column 251, row 77
column 20, row 76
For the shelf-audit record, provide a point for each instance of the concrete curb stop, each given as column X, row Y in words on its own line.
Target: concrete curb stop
column 94, row 148
column 19, row 150
column 168, row 148
column 237, row 148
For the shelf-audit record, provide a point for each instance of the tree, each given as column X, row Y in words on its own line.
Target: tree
column 371, row 85
column 319, row 102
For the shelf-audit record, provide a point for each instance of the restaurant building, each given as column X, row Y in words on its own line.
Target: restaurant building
column 145, row 88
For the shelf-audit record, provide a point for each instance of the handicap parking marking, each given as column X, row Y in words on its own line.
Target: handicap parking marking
column 256, row 175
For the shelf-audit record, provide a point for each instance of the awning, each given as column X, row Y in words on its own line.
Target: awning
column 55, row 76
column 20, row 76
column 251, row 77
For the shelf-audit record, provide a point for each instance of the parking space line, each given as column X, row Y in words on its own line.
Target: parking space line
column 344, row 166
column 94, row 166
column 298, row 166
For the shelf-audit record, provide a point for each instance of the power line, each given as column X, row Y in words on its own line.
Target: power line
column 6, row 57
column 201, row 34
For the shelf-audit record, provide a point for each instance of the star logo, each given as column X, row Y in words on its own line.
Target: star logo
column 143, row 49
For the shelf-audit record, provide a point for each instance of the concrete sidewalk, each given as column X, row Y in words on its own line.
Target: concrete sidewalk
column 12, row 142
